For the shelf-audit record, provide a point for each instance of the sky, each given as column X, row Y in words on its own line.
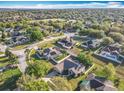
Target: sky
column 61, row 4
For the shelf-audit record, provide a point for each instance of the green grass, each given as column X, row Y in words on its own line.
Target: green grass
column 75, row 81
column 47, row 44
column 4, row 61
column 8, row 79
column 21, row 46
column 60, row 57
column 33, row 59
column 1, row 53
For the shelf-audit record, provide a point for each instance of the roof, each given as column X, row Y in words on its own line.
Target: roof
column 113, row 47
column 99, row 83
column 68, row 64
column 66, row 40
column 84, row 82
column 92, row 43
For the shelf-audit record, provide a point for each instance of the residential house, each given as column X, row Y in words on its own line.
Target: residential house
column 15, row 33
column 91, row 44
column 111, row 52
column 18, row 40
column 49, row 53
column 66, row 43
column 69, row 67
column 97, row 83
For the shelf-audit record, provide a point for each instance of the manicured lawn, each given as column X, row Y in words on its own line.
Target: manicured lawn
column 60, row 57
column 33, row 59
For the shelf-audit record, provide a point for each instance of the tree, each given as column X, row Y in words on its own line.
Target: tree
column 84, row 32
column 96, row 34
column 84, row 59
column 77, row 25
column 12, row 57
column 7, row 52
column 117, row 37
column 27, row 83
column 121, row 85
column 60, row 84
column 110, row 71
column 36, row 34
column 3, row 36
column 92, row 33
column 107, row 41
column 38, row 69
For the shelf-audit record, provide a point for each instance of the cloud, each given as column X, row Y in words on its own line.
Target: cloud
column 63, row 6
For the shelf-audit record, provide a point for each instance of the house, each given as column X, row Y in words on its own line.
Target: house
column 111, row 52
column 66, row 43
column 97, row 83
column 15, row 33
column 49, row 53
column 91, row 44
column 18, row 40
column 69, row 67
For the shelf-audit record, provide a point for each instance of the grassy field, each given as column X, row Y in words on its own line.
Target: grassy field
column 8, row 78
column 47, row 44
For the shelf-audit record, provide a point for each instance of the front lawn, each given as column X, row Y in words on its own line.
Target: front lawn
column 60, row 57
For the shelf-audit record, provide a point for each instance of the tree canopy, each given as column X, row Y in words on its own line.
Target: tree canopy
column 28, row 83
column 61, row 84
column 38, row 69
